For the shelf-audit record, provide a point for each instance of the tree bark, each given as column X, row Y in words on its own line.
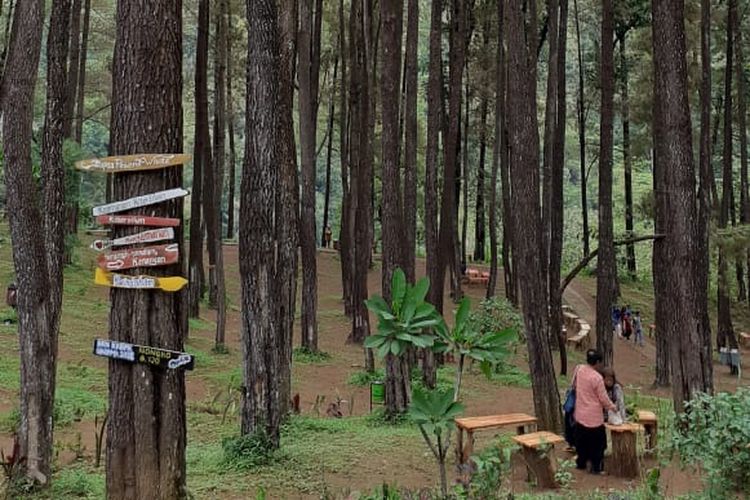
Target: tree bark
column 309, row 63
column 80, row 99
column 606, row 269
column 462, row 169
column 725, row 336
column 411, row 140
column 201, row 161
column 220, row 106
column 346, row 239
column 230, row 129
column 263, row 223
column 37, row 311
column 479, row 220
column 626, row 160
column 431, row 206
column 674, row 155
column 74, row 50
column 742, row 126
column 524, row 148
column 580, row 103
column 498, row 148
column 146, row 435
column 329, row 151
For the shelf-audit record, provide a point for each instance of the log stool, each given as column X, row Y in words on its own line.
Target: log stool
column 624, row 452
column 650, row 426
column 538, row 450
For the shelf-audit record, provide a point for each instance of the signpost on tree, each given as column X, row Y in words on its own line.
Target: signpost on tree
column 160, row 255
column 132, row 163
column 137, row 220
column 114, row 280
column 134, row 239
column 140, row 201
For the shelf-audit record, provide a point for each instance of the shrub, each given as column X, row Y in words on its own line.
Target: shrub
column 714, row 433
column 248, row 451
column 494, row 315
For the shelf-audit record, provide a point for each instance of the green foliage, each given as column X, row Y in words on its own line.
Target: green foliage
column 511, row 376
column 73, row 404
column 405, row 321
column 714, row 433
column 363, row 378
column 492, row 466
column 306, row 356
column 77, row 483
column 494, row 315
column 563, row 474
column 248, row 451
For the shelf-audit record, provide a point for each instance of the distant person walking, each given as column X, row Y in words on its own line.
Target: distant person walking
column 638, row 327
column 591, row 401
column 617, row 321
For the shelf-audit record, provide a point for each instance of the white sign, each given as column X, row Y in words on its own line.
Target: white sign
column 166, row 233
column 115, row 350
column 140, row 201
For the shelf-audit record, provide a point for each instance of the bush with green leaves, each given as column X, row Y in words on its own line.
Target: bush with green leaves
column 248, row 451
column 494, row 315
column 434, row 412
column 714, row 434
column 492, row 466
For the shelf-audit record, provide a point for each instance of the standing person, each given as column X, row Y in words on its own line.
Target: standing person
column 328, row 235
column 591, row 401
column 617, row 320
column 616, row 395
column 638, row 327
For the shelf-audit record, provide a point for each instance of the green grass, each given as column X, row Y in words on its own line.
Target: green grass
column 305, row 356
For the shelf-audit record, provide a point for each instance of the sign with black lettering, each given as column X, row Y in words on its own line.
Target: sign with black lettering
column 161, row 358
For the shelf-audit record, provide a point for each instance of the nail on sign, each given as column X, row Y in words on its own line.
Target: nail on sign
column 140, row 201
column 159, row 255
column 150, row 236
column 154, row 356
column 132, row 163
column 136, row 220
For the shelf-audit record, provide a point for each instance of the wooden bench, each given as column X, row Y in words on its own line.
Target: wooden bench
column 472, row 424
column 582, row 338
column 538, row 452
column 625, row 461
column 650, row 426
column 744, row 339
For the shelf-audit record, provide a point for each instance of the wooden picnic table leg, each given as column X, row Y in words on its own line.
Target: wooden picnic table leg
column 469, row 445
column 460, row 446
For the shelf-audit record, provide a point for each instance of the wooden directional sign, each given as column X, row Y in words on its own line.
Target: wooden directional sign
column 165, row 233
column 165, row 283
column 161, row 358
column 136, row 220
column 132, row 163
column 159, row 255
column 140, row 201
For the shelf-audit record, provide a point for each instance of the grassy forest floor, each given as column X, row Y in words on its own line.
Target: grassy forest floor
column 320, row 456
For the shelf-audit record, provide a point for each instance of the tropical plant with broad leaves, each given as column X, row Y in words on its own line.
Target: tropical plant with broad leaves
column 464, row 341
column 433, row 412
column 407, row 321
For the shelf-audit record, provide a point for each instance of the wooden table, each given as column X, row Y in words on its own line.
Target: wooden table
column 538, row 452
column 650, row 425
column 471, row 424
column 624, row 452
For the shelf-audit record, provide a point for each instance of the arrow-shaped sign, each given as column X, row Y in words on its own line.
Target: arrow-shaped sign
column 140, row 201
column 137, row 220
column 159, row 255
column 167, row 284
column 166, row 233
column 154, row 356
column 132, row 163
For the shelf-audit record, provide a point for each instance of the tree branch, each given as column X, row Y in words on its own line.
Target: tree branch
column 574, row 272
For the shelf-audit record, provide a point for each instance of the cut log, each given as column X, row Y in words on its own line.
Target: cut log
column 624, row 452
column 538, row 449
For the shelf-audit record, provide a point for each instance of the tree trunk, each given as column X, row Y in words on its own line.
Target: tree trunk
column 220, row 106
column 265, row 189
column 725, row 336
column 498, row 147
column 38, row 297
column 361, row 166
column 286, row 203
column 742, row 125
column 431, row 206
column 74, row 50
column 627, row 163
column 702, row 261
column 524, row 147
column 80, row 100
column 309, row 63
column 230, row 128
column 674, row 155
column 146, row 435
column 462, row 180
column 479, row 222
column 606, row 269
column 556, row 194
column 329, row 151
column 6, row 35
column 411, row 140
column 345, row 233
column 201, row 161
column 448, row 216
column 580, row 103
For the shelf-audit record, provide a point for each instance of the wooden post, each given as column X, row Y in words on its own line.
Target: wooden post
column 541, row 464
column 624, row 453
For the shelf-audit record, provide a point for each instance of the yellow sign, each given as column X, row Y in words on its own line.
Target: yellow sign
column 132, row 163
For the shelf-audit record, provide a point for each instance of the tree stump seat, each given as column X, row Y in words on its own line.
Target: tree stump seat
column 744, row 339
column 464, row 448
column 650, row 424
column 624, row 461
column 581, row 340
column 538, row 449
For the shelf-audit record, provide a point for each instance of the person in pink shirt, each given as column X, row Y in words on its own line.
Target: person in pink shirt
column 591, row 401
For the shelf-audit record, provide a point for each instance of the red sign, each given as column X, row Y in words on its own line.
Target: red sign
column 159, row 255
column 136, row 220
